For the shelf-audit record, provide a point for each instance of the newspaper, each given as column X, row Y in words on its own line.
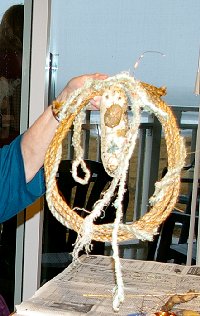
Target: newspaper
column 86, row 288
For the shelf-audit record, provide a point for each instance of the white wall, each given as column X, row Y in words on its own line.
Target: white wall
column 109, row 35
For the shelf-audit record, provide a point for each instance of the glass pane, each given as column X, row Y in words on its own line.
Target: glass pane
column 99, row 36
column 11, row 47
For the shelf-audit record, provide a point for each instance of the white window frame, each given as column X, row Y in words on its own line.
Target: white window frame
column 35, row 94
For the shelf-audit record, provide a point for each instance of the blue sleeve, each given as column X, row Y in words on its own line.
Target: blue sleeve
column 15, row 193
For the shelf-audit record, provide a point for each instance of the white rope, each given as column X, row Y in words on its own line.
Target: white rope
column 125, row 83
column 84, row 236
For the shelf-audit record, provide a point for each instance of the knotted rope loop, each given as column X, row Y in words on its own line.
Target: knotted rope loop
column 118, row 136
column 139, row 95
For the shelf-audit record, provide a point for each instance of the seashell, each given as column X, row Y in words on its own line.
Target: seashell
column 113, row 115
column 121, row 132
column 112, row 163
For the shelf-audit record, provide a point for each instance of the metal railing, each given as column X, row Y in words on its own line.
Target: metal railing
column 148, row 159
column 147, row 163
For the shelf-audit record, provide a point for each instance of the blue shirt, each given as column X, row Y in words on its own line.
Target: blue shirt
column 15, row 193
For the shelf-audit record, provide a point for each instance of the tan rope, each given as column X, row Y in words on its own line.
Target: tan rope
column 167, row 189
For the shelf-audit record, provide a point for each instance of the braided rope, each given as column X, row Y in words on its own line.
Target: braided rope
column 139, row 95
column 166, row 192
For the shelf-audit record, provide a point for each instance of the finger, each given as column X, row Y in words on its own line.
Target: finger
column 94, row 103
column 100, row 76
column 92, row 107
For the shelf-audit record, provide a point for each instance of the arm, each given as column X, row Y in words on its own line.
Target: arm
column 37, row 138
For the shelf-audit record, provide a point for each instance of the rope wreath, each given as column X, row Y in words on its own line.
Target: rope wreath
column 118, row 138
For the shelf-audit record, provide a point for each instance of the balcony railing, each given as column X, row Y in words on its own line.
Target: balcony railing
column 149, row 157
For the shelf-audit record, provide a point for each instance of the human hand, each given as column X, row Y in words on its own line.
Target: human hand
column 94, row 103
column 78, row 82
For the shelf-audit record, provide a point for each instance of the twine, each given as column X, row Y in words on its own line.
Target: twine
column 139, row 96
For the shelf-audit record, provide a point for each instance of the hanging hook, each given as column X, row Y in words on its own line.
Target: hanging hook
column 142, row 55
